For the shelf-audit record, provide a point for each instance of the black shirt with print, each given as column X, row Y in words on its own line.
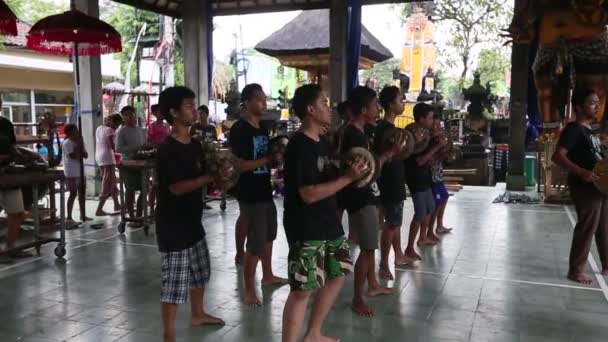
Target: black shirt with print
column 251, row 143
column 179, row 217
column 583, row 148
column 307, row 162
column 353, row 198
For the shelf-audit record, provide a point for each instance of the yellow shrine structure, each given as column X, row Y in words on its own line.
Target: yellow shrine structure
column 419, row 54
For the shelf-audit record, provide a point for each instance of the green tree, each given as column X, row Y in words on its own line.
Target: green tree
column 492, row 66
column 382, row 72
column 128, row 21
column 470, row 23
column 31, row 11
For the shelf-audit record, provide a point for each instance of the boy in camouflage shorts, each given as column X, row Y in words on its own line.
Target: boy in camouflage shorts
column 319, row 256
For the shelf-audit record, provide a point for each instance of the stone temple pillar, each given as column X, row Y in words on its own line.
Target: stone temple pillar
column 196, row 44
column 338, row 45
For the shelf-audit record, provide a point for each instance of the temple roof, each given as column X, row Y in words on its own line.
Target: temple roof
column 308, row 34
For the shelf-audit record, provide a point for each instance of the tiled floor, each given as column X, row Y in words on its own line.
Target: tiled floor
column 499, row 277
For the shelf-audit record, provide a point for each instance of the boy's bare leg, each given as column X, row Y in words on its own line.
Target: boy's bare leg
column 240, row 235
column 293, row 315
column 386, row 241
column 373, row 287
column 99, row 211
column 400, row 258
column 361, row 268
column 441, row 229
column 198, row 316
column 168, row 312
column 424, row 226
column 251, row 263
column 71, row 199
column 325, row 299
column 430, row 236
column 82, row 201
column 116, row 202
column 410, row 251
column 268, row 277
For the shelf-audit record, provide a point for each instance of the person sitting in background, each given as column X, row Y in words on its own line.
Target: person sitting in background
column 104, row 157
column 129, row 140
column 11, row 199
column 73, row 150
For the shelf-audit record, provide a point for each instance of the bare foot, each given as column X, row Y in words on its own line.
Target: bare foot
column 84, row 219
column 385, row 273
column 580, row 278
column 426, row 242
column 252, row 300
column 605, row 271
column 406, row 261
column 433, row 237
column 380, row 291
column 444, row 230
column 361, row 309
column 309, row 338
column 101, row 213
column 206, row 320
column 168, row 338
column 274, row 281
column 412, row 255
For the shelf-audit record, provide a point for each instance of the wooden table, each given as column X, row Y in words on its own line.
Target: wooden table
column 36, row 179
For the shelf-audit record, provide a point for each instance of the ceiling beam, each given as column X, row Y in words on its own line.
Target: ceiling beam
column 219, row 11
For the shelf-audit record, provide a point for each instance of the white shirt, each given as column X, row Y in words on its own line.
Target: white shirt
column 104, row 138
column 71, row 167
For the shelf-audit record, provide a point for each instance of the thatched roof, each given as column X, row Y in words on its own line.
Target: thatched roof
column 308, row 34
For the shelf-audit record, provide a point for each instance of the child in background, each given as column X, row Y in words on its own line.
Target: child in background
column 73, row 150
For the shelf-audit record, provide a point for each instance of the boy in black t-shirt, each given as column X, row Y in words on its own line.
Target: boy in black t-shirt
column 360, row 203
column 578, row 150
column 258, row 213
column 179, row 229
column 419, row 181
column 391, row 184
column 319, row 256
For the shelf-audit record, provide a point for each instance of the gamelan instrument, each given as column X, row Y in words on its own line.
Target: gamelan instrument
column 441, row 135
column 222, row 165
column 401, row 137
column 277, row 148
column 360, row 153
column 422, row 136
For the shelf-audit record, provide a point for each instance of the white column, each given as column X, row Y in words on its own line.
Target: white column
column 90, row 103
column 195, row 46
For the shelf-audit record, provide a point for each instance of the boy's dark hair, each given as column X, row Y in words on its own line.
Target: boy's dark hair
column 155, row 108
column 249, row 91
column 203, row 108
column 342, row 109
column 69, row 129
column 127, row 109
column 117, row 118
column 173, row 98
column 387, row 96
column 421, row 110
column 359, row 98
column 579, row 95
column 303, row 97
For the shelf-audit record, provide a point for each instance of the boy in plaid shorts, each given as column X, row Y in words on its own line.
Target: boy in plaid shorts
column 319, row 256
column 181, row 237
